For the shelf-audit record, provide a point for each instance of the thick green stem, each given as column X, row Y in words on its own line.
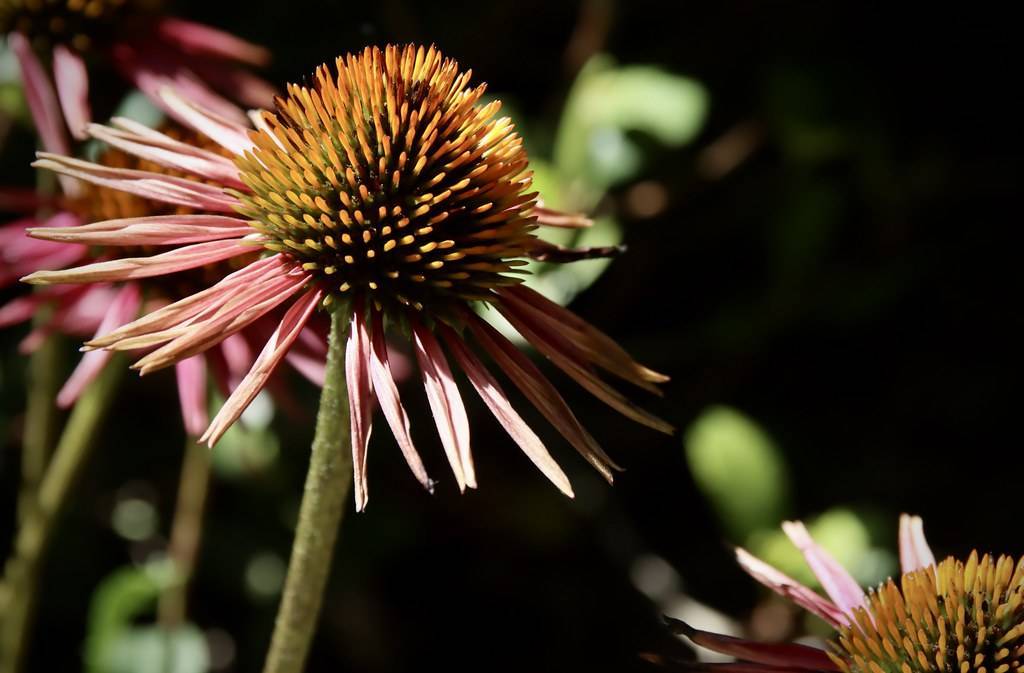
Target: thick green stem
column 186, row 531
column 19, row 591
column 324, row 501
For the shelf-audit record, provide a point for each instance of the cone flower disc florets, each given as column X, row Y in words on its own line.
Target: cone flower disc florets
column 387, row 177
column 387, row 188
column 76, row 22
column 946, row 617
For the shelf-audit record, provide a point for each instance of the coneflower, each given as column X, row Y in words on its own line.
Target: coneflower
column 147, row 47
column 98, row 308
column 954, row 616
column 385, row 189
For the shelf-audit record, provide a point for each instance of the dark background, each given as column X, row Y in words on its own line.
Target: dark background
column 854, row 295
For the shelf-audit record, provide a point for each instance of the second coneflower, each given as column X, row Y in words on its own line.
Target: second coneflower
column 954, row 616
column 385, row 188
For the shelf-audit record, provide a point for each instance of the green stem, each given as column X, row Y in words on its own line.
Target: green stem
column 324, row 501
column 17, row 600
column 41, row 415
column 186, row 531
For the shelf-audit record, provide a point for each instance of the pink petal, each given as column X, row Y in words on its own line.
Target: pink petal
column 72, row 81
column 123, row 308
column 915, row 554
column 390, row 402
column 772, row 654
column 238, row 358
column 188, row 308
column 788, row 587
column 245, row 87
column 159, row 148
column 493, row 396
column 555, row 218
column 535, row 386
column 596, row 346
column 309, row 357
column 227, row 133
column 360, row 399
column 446, row 405
column 291, row 324
column 21, row 255
column 837, row 582
column 180, row 259
column 239, row 311
column 153, row 230
column 201, row 39
column 191, row 375
column 560, row 352
column 40, row 96
column 149, row 185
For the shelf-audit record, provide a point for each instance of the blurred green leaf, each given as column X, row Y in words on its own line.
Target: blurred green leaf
column 608, row 101
column 116, row 644
column 738, row 467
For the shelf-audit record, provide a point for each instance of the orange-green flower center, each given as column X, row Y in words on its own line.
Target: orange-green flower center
column 79, row 23
column 387, row 176
column 955, row 617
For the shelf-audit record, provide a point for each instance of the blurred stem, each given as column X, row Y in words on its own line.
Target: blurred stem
column 186, row 531
column 44, row 380
column 323, row 506
column 36, row 532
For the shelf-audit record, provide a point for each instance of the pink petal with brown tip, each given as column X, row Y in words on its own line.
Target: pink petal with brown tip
column 360, row 400
column 148, row 185
column 445, row 405
column 495, row 399
column 390, row 402
column 788, row 587
column 179, row 259
column 273, row 352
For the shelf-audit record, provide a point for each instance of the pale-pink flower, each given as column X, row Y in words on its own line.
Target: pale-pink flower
column 385, row 189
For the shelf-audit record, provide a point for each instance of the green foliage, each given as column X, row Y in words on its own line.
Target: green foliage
column 606, row 102
column 739, row 469
column 116, row 644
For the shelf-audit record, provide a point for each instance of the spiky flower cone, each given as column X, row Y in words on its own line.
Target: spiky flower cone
column 946, row 617
column 384, row 188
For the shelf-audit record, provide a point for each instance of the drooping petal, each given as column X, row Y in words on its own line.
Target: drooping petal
column 228, row 133
column 238, row 312
column 40, row 96
column 360, row 400
column 789, row 588
column 772, row 654
column 153, row 230
column 145, row 143
column 191, row 375
column 597, row 346
column 190, row 307
column 493, row 396
column 273, row 352
column 556, row 218
column 390, row 402
column 21, row 255
column 445, row 405
column 837, row 582
column 72, row 82
column 128, row 268
column 560, row 352
column 197, row 38
column 42, row 103
column 123, row 308
column 915, row 554
column 536, row 387
column 149, row 185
